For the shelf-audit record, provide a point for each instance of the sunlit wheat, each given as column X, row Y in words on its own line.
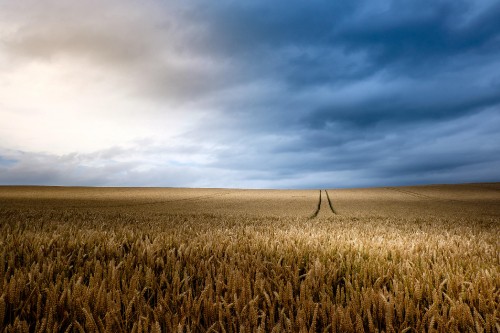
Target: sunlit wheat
column 218, row 266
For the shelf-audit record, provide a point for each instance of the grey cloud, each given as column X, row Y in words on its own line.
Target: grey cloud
column 397, row 109
column 421, row 34
column 152, row 50
column 414, row 151
column 99, row 168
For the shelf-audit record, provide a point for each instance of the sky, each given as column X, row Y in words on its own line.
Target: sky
column 249, row 94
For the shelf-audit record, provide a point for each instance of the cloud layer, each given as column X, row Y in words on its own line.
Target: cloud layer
column 249, row 94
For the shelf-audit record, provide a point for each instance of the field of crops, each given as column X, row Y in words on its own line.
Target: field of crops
column 399, row 259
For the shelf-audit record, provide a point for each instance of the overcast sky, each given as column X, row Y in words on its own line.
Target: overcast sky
column 253, row 94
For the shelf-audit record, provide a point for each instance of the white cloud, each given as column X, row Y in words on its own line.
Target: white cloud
column 79, row 77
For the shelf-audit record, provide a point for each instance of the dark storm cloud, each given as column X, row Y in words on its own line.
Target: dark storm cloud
column 405, row 154
column 302, row 94
column 109, row 167
column 419, row 31
column 428, row 60
column 357, row 77
column 421, row 102
column 366, row 36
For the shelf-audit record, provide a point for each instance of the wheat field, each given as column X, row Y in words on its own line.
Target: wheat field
column 394, row 259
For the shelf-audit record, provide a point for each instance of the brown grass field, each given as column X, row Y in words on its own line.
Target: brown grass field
column 398, row 259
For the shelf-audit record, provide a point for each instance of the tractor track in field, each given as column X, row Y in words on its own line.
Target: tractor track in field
column 484, row 187
column 318, row 208
column 195, row 198
column 411, row 193
column 421, row 196
column 330, row 203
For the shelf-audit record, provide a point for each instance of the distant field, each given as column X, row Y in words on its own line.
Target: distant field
column 394, row 259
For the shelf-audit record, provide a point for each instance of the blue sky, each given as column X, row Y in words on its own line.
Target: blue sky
column 254, row 94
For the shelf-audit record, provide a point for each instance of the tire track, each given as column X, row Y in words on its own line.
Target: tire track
column 488, row 188
column 330, row 203
column 410, row 193
column 422, row 196
column 195, row 198
column 317, row 208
